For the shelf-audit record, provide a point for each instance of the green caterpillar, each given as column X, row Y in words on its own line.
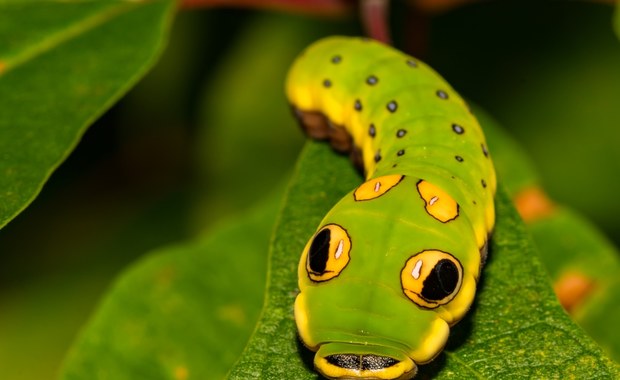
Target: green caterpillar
column 395, row 263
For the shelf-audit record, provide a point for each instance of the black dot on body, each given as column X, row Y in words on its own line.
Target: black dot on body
column 358, row 105
column 372, row 131
column 459, row 158
column 484, row 150
column 401, row 132
column 392, row 106
column 327, row 83
column 336, row 59
column 458, row 129
column 378, row 156
column 442, row 94
column 484, row 183
column 412, row 63
column 400, row 152
column 372, row 80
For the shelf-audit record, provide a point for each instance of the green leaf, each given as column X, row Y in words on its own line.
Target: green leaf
column 567, row 242
column 515, row 330
column 184, row 312
column 62, row 64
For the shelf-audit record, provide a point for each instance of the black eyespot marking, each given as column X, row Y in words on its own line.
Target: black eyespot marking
column 484, row 183
column 394, row 165
column 459, row 158
column 442, row 281
column 458, row 129
column 336, row 59
column 378, row 156
column 442, row 94
column 358, row 105
column 372, row 80
column 484, row 150
column 327, row 83
column 400, row 152
column 412, row 63
column 328, row 253
column 319, row 251
column 392, row 106
column 475, row 202
column 401, row 132
column 372, row 131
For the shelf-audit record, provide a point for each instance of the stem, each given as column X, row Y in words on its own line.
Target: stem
column 374, row 15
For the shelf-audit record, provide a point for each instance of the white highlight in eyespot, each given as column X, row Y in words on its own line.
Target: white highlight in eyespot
column 339, row 249
column 433, row 200
column 377, row 186
column 416, row 269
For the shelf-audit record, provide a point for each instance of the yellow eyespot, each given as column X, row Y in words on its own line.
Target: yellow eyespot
column 431, row 278
column 328, row 253
column 439, row 204
column 376, row 187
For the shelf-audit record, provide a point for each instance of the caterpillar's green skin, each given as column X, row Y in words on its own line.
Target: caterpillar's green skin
column 396, row 261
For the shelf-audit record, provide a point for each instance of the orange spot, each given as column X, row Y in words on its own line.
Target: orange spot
column 181, row 373
column 572, row 288
column 533, row 204
column 2, row 67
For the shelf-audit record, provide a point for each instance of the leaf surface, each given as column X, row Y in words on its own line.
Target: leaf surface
column 62, row 64
column 183, row 312
column 567, row 242
column 516, row 328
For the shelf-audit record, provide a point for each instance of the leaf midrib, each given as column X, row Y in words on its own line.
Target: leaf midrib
column 64, row 35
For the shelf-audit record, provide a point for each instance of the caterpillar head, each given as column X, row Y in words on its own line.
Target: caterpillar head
column 379, row 285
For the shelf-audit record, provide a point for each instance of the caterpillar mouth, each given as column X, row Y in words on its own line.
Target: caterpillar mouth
column 361, row 362
column 366, row 365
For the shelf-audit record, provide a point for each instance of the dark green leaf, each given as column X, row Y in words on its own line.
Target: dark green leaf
column 567, row 243
column 184, row 312
column 61, row 65
column 515, row 330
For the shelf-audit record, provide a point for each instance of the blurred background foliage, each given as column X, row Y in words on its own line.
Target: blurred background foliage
column 208, row 133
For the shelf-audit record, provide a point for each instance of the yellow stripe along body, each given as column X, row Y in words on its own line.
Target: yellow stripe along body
column 396, row 261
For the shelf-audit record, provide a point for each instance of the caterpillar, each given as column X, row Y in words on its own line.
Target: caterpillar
column 395, row 262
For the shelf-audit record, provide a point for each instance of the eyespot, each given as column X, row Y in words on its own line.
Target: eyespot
column 376, row 187
column 431, row 278
column 438, row 204
column 328, row 253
